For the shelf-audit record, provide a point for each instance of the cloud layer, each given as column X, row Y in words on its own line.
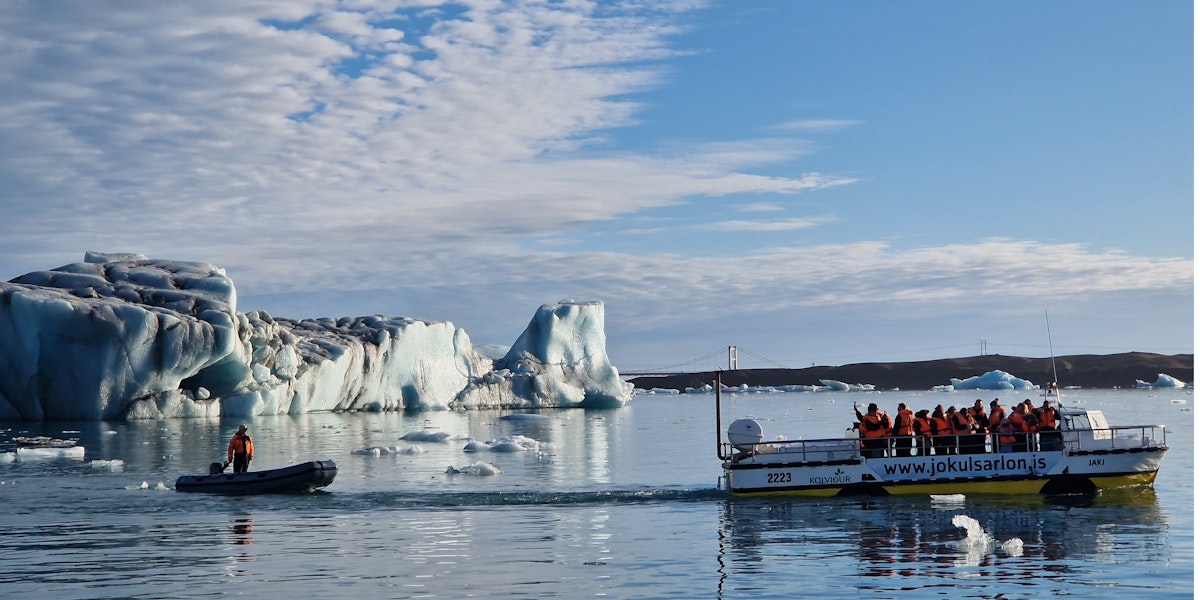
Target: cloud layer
column 421, row 150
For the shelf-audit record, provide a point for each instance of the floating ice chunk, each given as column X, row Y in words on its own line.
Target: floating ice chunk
column 516, row 443
column 948, row 499
column 658, row 391
column 978, row 544
column 72, row 453
column 506, row 446
column 481, row 469
column 975, row 532
column 427, row 436
column 1013, row 547
column 8, row 457
column 115, row 464
column 142, row 486
column 414, row 450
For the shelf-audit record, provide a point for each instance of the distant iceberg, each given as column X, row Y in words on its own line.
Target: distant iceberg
column 123, row 336
column 1164, row 381
column 992, row 380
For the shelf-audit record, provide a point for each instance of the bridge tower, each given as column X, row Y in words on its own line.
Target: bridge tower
column 733, row 358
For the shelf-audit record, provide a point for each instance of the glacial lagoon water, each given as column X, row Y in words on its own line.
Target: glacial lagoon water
column 617, row 503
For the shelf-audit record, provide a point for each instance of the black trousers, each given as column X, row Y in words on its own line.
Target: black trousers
column 241, row 462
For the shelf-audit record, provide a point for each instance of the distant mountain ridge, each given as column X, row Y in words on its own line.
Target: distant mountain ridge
column 1083, row 370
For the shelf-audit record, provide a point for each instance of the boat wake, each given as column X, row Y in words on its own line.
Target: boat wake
column 532, row 498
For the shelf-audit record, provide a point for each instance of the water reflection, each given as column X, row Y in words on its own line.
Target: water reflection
column 242, row 528
column 917, row 539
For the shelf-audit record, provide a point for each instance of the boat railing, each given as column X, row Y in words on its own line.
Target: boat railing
column 823, row 450
column 1127, row 437
column 1124, row 437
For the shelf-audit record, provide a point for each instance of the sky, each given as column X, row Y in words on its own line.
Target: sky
column 815, row 183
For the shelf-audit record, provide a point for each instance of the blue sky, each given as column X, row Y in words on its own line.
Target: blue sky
column 814, row 182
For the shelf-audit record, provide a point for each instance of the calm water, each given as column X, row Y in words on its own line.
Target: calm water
column 623, row 504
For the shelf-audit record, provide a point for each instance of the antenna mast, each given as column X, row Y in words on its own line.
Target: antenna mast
column 1053, row 367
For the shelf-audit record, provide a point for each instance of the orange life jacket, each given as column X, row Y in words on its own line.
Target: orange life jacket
column 996, row 418
column 904, row 423
column 1013, row 427
column 874, row 426
column 1047, row 419
column 939, row 425
column 922, row 427
column 241, row 445
column 960, row 424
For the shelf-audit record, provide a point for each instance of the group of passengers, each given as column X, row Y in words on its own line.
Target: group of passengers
column 957, row 431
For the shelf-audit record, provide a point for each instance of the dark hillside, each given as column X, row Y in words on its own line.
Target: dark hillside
column 1084, row 370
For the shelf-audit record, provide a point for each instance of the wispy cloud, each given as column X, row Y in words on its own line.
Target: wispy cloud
column 792, row 224
column 815, row 125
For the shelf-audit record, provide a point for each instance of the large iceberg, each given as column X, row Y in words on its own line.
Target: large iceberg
column 123, row 336
column 992, row 380
column 1163, row 381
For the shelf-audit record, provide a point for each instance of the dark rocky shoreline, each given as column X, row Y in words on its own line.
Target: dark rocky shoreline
column 1084, row 370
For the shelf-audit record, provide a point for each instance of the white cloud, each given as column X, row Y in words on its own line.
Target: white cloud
column 322, row 148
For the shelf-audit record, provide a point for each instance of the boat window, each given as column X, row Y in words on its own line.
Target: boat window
column 1078, row 422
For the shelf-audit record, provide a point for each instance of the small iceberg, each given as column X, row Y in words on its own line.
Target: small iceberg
column 49, row 453
column 387, row 450
column 515, row 443
column 109, row 465
column 479, row 469
column 426, row 436
column 948, row 499
column 658, row 391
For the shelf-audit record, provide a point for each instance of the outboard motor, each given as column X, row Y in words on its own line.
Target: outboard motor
column 744, row 434
column 214, row 468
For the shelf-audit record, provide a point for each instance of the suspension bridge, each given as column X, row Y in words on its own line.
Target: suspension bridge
column 703, row 363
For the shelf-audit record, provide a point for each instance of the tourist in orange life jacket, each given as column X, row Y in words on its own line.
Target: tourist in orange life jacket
column 1014, row 432
column 974, row 440
column 961, row 427
column 996, row 418
column 902, row 431
column 978, row 414
column 923, row 432
column 941, row 431
column 874, row 427
column 241, row 450
column 1047, row 419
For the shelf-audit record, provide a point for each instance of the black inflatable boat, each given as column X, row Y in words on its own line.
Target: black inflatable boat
column 303, row 477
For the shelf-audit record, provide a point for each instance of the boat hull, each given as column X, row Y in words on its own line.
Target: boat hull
column 1009, row 473
column 304, row 477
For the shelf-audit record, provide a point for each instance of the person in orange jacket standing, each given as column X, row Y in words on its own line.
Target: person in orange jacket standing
column 902, row 431
column 241, row 450
column 874, row 427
